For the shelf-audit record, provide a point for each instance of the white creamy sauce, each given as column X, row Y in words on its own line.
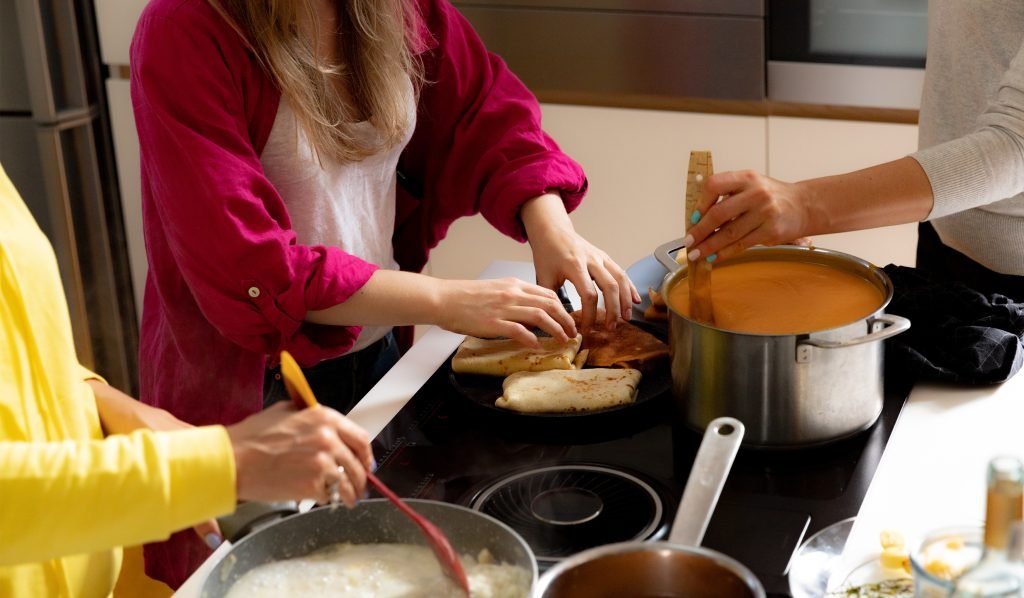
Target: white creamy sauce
column 378, row 571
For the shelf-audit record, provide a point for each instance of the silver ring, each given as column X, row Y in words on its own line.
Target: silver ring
column 334, row 488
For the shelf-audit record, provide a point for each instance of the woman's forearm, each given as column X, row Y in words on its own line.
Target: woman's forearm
column 485, row 308
column 121, row 414
column 389, row 298
column 896, row 192
column 544, row 212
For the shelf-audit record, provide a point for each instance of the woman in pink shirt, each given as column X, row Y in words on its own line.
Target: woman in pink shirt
column 299, row 161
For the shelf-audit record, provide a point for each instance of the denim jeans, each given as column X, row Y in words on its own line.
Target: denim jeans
column 340, row 382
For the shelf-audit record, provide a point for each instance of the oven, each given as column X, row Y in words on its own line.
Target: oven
column 588, row 51
column 867, row 53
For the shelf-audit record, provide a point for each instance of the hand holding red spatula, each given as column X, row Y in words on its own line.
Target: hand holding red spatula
column 302, row 395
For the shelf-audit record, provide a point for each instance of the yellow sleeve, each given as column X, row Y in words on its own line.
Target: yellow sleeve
column 88, row 374
column 63, row 498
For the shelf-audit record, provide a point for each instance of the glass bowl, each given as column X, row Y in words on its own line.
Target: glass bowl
column 926, row 583
column 815, row 561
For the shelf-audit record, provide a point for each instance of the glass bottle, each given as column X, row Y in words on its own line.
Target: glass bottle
column 994, row 575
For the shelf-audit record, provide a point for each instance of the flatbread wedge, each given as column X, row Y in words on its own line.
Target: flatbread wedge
column 627, row 346
column 501, row 357
column 569, row 391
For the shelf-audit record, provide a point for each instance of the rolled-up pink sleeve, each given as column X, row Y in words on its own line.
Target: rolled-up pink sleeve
column 213, row 215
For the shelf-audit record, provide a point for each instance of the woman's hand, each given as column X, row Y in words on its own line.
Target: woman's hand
column 757, row 210
column 754, row 210
column 503, row 307
column 561, row 254
column 284, row 454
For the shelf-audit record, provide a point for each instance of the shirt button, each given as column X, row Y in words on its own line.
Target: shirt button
column 254, row 292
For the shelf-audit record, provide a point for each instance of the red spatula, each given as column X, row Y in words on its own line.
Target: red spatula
column 302, row 395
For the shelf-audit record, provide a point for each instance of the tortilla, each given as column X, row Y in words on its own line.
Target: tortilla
column 627, row 346
column 501, row 357
column 569, row 391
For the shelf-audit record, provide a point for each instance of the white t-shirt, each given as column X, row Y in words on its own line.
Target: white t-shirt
column 348, row 205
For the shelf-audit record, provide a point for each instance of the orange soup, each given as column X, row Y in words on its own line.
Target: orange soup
column 782, row 297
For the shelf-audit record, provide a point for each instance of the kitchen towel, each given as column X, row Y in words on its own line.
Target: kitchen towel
column 957, row 334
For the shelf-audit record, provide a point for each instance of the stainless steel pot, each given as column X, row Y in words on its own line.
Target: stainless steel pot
column 791, row 390
column 372, row 521
column 678, row 567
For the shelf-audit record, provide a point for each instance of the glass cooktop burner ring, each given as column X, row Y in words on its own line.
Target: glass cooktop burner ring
column 561, row 510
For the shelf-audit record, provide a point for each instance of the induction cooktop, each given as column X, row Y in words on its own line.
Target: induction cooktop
column 568, row 484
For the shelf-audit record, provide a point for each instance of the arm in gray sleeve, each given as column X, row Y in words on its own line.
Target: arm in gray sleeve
column 987, row 164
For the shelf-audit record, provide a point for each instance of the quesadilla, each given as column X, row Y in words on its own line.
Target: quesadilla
column 568, row 391
column 501, row 357
column 626, row 346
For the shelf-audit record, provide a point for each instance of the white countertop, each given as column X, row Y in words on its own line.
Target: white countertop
column 932, row 473
column 388, row 397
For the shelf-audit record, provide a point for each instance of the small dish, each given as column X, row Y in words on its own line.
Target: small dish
column 928, row 585
column 816, row 559
column 815, row 565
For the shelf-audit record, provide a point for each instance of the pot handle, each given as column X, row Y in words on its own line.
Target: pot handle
column 664, row 254
column 707, row 477
column 893, row 325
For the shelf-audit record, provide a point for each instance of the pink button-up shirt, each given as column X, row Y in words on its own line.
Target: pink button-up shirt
column 229, row 286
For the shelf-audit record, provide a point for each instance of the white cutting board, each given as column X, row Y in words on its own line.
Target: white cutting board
column 933, row 471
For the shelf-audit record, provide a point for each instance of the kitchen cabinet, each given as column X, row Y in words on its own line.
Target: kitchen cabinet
column 802, row 148
column 636, row 161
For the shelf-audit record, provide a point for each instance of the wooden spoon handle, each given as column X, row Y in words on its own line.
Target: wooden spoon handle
column 699, row 270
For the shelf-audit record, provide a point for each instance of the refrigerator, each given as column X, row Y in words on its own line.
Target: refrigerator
column 56, row 145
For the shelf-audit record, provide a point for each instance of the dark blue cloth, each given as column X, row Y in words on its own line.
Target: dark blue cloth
column 957, row 334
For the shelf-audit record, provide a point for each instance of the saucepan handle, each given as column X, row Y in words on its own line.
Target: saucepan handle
column 891, row 325
column 710, row 469
column 664, row 254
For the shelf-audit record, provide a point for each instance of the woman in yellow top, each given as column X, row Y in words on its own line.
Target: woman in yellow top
column 81, row 473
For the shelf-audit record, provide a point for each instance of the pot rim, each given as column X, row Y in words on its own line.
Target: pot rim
column 735, row 567
column 883, row 280
column 374, row 503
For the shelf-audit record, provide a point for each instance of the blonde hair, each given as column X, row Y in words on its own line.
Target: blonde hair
column 376, row 38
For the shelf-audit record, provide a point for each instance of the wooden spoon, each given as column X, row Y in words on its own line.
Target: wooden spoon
column 699, row 270
column 302, row 395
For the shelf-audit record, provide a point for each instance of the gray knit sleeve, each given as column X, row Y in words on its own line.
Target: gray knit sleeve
column 986, row 165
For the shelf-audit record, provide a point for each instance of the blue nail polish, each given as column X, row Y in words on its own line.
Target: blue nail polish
column 373, row 465
column 695, row 217
column 213, row 540
column 711, row 258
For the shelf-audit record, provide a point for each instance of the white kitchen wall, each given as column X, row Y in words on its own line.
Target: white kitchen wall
column 115, row 22
column 126, row 149
column 803, row 148
column 636, row 163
